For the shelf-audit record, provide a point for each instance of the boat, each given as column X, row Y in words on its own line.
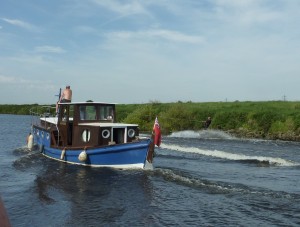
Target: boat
column 86, row 133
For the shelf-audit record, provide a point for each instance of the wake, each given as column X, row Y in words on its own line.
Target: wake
column 218, row 187
column 202, row 134
column 231, row 156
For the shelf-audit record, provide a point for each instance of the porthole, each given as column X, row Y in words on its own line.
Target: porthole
column 105, row 133
column 131, row 133
column 47, row 136
column 86, row 135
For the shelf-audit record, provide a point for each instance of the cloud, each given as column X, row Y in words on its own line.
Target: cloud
column 7, row 80
column 249, row 44
column 20, row 24
column 85, row 30
column 26, row 90
column 15, row 80
column 121, row 10
column 26, row 83
column 248, row 12
column 49, row 49
column 174, row 36
column 132, row 7
column 168, row 35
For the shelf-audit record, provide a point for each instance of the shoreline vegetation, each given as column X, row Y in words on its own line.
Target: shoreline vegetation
column 273, row 120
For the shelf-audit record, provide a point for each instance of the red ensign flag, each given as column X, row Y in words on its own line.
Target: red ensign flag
column 156, row 130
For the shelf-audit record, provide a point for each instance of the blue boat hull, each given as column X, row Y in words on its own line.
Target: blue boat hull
column 117, row 156
column 123, row 156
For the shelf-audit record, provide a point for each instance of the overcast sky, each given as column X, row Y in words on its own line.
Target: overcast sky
column 139, row 51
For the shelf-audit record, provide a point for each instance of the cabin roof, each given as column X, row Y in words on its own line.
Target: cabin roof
column 108, row 124
column 54, row 120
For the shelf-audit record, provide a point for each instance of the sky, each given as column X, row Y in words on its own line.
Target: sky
column 141, row 51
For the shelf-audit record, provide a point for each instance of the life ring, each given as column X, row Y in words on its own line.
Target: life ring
column 105, row 133
column 131, row 133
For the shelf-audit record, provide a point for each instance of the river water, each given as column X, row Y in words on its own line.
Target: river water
column 203, row 178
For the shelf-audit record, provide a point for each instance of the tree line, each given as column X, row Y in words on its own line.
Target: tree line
column 269, row 120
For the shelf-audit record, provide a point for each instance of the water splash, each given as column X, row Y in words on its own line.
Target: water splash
column 202, row 134
column 264, row 161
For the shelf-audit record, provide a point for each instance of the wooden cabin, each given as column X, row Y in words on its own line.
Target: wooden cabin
column 88, row 124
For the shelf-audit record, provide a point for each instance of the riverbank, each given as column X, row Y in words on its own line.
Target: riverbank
column 275, row 120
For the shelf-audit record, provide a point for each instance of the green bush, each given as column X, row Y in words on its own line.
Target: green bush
column 176, row 118
column 264, row 119
column 282, row 126
column 144, row 116
column 229, row 120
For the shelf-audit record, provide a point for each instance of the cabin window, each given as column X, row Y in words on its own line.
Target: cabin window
column 82, row 110
column 71, row 111
column 106, row 113
column 88, row 113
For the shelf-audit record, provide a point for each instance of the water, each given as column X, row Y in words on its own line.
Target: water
column 205, row 178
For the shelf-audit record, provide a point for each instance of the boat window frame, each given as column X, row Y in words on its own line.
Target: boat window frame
column 101, row 113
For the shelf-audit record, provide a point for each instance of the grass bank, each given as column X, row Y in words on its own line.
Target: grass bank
column 268, row 120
